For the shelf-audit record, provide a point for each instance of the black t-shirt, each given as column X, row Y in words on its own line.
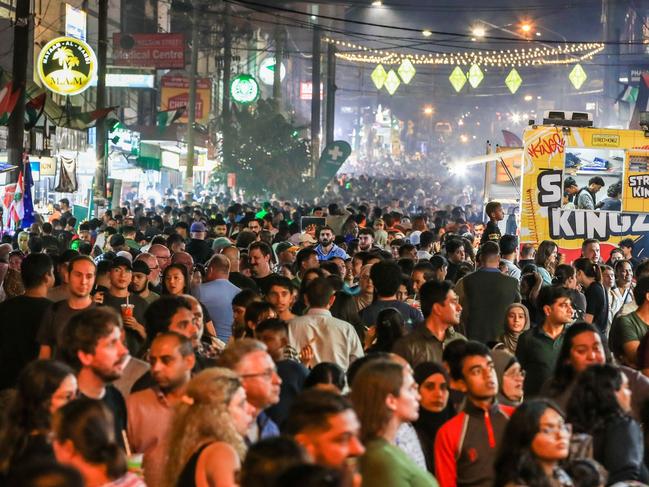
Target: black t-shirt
column 491, row 233
column 115, row 402
column 597, row 305
column 20, row 318
column 200, row 250
column 54, row 319
column 263, row 283
column 242, row 282
column 134, row 342
column 293, row 375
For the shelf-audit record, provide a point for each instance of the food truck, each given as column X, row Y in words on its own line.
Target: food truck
column 567, row 146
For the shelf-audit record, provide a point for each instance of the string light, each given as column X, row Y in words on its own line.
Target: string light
column 536, row 56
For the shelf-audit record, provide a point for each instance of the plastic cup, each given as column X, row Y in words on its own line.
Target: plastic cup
column 127, row 310
column 134, row 463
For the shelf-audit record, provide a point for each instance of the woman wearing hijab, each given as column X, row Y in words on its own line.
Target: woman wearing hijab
column 510, row 377
column 517, row 320
column 435, row 408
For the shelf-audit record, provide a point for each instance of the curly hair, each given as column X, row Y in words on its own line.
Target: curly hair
column 201, row 418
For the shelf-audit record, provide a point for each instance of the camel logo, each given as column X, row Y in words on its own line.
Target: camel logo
column 67, row 65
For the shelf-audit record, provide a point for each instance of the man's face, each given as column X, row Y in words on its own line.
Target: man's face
column 311, row 262
column 275, row 341
column 139, row 282
column 162, row 255
column 178, row 246
column 183, row 322
column 259, row 263
column 85, row 235
column 260, row 379
column 287, row 257
column 457, row 256
column 624, row 273
column 220, row 230
column 169, row 369
column 418, row 280
column 559, row 312
column 594, row 188
column 254, row 227
column 109, row 358
column 152, row 262
column 280, row 299
column 479, row 379
column 365, row 242
column 333, row 445
column 23, row 238
column 120, row 277
column 478, row 230
column 440, row 274
column 586, row 350
column 325, row 238
column 591, row 252
column 81, row 278
column 451, row 310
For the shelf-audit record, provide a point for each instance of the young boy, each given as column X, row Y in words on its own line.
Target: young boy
column 495, row 212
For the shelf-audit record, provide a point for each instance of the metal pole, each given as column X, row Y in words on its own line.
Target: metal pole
column 16, row 129
column 188, row 185
column 277, row 73
column 315, row 99
column 101, row 129
column 227, row 68
column 331, row 93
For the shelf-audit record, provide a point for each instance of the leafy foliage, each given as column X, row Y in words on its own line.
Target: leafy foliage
column 265, row 151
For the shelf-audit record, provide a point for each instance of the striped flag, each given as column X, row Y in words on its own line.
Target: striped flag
column 8, row 100
column 13, row 202
column 166, row 118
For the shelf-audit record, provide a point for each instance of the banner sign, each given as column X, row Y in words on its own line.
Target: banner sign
column 66, row 65
column 332, row 158
column 160, row 51
column 175, row 94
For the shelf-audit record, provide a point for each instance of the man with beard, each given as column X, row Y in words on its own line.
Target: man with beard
column 140, row 282
column 91, row 343
column 81, row 279
column 150, row 411
column 260, row 253
column 326, row 248
column 155, row 271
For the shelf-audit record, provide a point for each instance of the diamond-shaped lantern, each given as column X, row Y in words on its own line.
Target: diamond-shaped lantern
column 392, row 82
column 577, row 76
column 406, row 71
column 513, row 81
column 475, row 76
column 457, row 78
column 378, row 76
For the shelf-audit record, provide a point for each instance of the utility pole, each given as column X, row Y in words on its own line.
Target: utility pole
column 315, row 99
column 331, row 94
column 277, row 73
column 16, row 129
column 188, row 185
column 227, row 68
column 101, row 130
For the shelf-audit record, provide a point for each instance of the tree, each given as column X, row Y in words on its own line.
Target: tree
column 265, row 151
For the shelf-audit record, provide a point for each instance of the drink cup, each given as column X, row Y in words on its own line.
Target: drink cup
column 134, row 463
column 127, row 310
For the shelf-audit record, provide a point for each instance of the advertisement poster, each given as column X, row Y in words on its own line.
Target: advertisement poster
column 175, row 94
column 160, row 51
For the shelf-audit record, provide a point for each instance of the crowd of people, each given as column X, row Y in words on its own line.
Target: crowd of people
column 281, row 344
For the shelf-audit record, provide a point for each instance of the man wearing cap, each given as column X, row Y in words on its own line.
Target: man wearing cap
column 140, row 282
column 121, row 275
column 198, row 247
column 286, row 253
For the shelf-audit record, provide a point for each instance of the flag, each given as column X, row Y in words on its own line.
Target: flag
column 629, row 94
column 8, row 100
column 34, row 109
column 28, row 184
column 642, row 102
column 64, row 117
column 166, row 118
column 7, row 203
column 511, row 139
column 14, row 203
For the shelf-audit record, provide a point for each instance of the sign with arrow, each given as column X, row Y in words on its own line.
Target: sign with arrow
column 333, row 156
column 267, row 71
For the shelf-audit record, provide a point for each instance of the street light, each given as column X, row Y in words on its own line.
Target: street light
column 429, row 110
column 426, row 33
column 526, row 27
column 478, row 31
column 377, row 3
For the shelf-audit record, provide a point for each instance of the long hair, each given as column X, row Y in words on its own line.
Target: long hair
column 593, row 403
column 202, row 417
column 515, row 463
column 588, row 268
column 88, row 424
column 564, row 373
column 544, row 252
column 29, row 409
column 562, row 273
column 372, row 385
column 184, row 272
column 389, row 328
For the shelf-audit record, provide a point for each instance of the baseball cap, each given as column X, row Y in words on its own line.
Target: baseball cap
column 125, row 254
column 284, row 246
column 141, row 267
column 307, row 238
column 197, row 227
column 121, row 262
column 221, row 243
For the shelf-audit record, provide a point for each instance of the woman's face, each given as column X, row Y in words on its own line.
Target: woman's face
column 624, row 394
column 365, row 282
column 175, row 282
column 513, row 379
column 586, row 350
column 608, row 278
column 434, row 393
column 552, row 258
column 66, row 391
column 402, row 293
column 240, row 411
column 551, row 443
column 516, row 320
column 407, row 404
column 571, row 282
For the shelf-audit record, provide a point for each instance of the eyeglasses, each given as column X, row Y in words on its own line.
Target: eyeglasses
column 266, row 374
column 551, row 430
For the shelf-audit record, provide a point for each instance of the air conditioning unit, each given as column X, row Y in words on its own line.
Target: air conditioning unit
column 565, row 118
